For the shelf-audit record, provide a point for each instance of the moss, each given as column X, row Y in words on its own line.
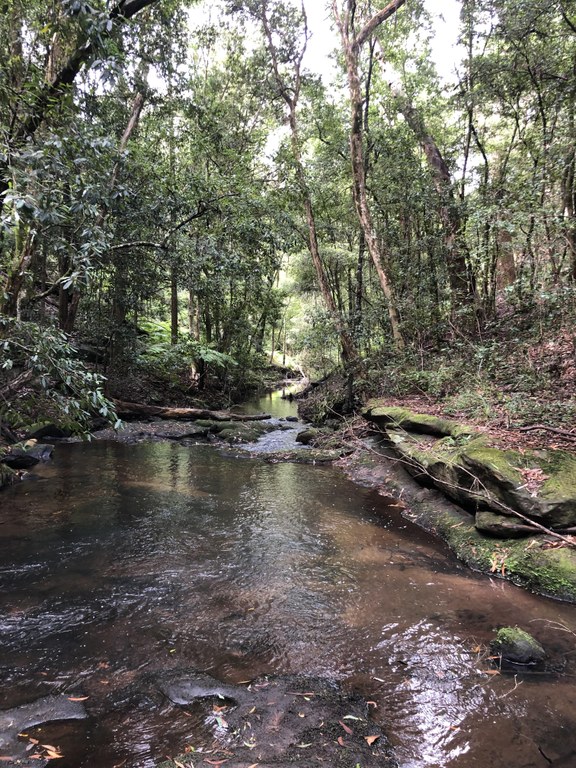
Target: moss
column 517, row 646
column 551, row 572
column 7, row 476
column 505, row 463
column 562, row 481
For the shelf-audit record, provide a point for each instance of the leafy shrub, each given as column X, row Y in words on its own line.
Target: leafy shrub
column 41, row 375
column 176, row 361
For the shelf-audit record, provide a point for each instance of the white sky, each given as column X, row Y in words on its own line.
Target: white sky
column 445, row 14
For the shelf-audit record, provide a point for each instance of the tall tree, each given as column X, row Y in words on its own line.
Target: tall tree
column 352, row 43
column 286, row 63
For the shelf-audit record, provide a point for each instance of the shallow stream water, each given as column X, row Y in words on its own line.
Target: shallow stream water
column 121, row 560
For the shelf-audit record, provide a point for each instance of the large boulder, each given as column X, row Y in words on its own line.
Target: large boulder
column 538, row 485
column 423, row 423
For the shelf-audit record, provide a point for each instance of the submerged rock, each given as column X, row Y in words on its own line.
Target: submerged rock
column 46, row 710
column 186, row 687
column 286, row 720
column 515, row 646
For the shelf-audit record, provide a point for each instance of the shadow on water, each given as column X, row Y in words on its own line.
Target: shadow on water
column 119, row 561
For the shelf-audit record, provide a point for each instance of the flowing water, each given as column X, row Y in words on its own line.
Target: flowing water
column 119, row 560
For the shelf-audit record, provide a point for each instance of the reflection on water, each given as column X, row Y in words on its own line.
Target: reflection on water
column 121, row 560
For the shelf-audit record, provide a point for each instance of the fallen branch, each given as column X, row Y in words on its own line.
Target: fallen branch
column 17, row 383
column 555, row 430
column 126, row 410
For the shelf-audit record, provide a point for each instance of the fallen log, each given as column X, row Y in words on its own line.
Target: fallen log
column 126, row 410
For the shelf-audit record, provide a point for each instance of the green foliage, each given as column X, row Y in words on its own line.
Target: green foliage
column 68, row 391
column 176, row 361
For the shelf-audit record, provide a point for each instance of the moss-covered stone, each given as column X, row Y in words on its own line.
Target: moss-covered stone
column 377, row 412
column 7, row 476
column 516, row 646
column 307, row 436
column 561, row 483
column 480, row 477
column 296, row 455
column 504, row 526
column 241, row 432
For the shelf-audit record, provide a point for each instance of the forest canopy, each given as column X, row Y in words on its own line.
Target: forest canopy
column 181, row 195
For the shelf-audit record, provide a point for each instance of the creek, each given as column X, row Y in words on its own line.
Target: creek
column 117, row 561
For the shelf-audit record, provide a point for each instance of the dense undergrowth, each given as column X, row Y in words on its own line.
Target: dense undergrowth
column 518, row 371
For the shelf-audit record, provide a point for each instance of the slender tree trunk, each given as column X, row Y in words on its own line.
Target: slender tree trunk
column 290, row 95
column 351, row 45
column 173, row 306
column 10, row 298
column 461, row 283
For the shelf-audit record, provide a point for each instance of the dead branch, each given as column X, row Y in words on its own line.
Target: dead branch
column 555, row 430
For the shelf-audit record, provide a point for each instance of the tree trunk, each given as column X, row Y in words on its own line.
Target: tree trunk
column 10, row 296
column 351, row 46
column 173, row 306
column 461, row 283
column 126, row 410
column 291, row 94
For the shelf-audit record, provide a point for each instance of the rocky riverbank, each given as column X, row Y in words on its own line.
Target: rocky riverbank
column 508, row 513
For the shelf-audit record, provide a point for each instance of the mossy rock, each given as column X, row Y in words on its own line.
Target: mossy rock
column 535, row 562
column 515, row 646
column 504, row 526
column 7, row 476
column 561, row 483
column 423, row 423
column 241, row 432
column 307, row 436
column 300, row 456
column 48, row 429
column 27, row 454
column 481, row 477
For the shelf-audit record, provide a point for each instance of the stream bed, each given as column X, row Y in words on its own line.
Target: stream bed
column 121, row 561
